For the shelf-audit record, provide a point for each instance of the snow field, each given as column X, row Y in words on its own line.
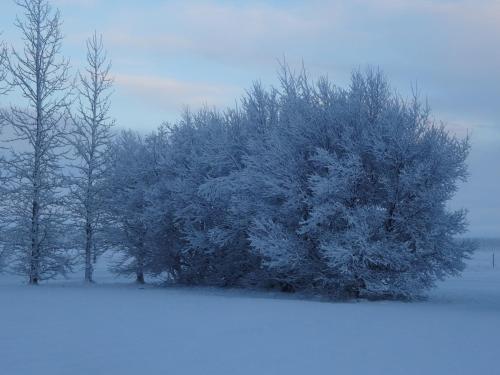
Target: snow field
column 117, row 328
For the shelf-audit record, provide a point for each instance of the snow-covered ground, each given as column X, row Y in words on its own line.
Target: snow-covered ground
column 65, row 328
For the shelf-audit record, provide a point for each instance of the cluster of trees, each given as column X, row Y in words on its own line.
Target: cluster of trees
column 54, row 120
column 302, row 187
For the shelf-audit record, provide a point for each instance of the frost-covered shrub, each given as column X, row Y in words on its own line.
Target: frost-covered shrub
column 309, row 187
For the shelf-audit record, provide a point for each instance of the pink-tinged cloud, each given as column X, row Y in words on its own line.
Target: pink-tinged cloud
column 135, row 41
column 168, row 94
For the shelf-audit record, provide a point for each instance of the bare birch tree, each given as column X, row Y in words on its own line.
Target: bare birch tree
column 3, row 90
column 91, row 137
column 41, row 76
column 4, row 85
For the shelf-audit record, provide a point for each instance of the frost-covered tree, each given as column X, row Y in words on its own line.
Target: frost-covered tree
column 385, row 199
column 204, row 148
column 91, row 138
column 351, row 191
column 275, row 188
column 41, row 76
column 163, row 238
column 127, row 183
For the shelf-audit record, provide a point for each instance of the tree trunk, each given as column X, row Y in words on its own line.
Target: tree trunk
column 140, row 265
column 139, row 277
column 89, row 268
column 33, row 280
column 34, row 260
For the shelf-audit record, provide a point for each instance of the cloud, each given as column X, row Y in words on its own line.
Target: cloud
column 81, row 3
column 173, row 94
column 153, row 42
column 346, row 33
column 243, row 32
column 447, row 46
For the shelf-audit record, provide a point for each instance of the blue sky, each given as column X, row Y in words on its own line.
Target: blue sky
column 167, row 54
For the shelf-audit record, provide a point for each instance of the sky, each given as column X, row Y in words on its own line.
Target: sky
column 170, row 54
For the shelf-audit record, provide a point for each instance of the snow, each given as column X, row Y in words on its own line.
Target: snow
column 115, row 327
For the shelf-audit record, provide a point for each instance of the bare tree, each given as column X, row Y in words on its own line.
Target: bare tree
column 35, row 183
column 91, row 137
column 3, row 90
column 4, row 87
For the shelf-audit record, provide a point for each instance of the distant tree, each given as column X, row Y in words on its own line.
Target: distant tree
column 35, row 229
column 91, row 138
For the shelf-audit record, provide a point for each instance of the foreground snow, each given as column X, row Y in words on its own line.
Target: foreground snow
column 117, row 328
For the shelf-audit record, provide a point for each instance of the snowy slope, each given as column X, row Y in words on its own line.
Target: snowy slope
column 65, row 328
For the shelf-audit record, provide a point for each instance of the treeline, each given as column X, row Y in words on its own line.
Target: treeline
column 303, row 187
